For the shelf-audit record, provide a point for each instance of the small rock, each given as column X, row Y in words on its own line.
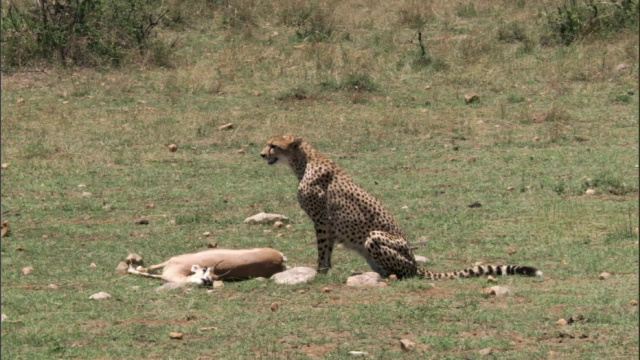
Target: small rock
column 491, row 279
column 206, row 234
column 100, row 296
column 407, row 345
column 265, row 217
column 297, row 275
column 289, row 227
column 393, row 277
column 122, row 268
column 590, row 192
column 93, row 266
column 605, row 275
column 633, row 302
column 367, row 279
column 497, row 291
column 326, row 290
column 552, row 353
column 227, row 126
column 302, row 292
column 4, row 317
column 142, row 222
column 53, row 286
column 151, row 206
column 512, row 250
column 241, row 151
column 173, row 147
column 475, row 205
column 5, row 228
column 274, row 307
column 562, row 322
column 620, row 68
column 4, row 166
column 212, row 245
column 420, row 258
column 278, row 225
column 471, row 98
column 485, row 352
column 218, row 284
column 176, row 335
column 27, row 270
column 511, row 188
column 134, row 259
column 86, row 194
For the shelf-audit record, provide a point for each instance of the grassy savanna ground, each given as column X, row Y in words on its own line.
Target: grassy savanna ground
column 552, row 122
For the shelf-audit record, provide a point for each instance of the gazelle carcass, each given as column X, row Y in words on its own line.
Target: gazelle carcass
column 233, row 264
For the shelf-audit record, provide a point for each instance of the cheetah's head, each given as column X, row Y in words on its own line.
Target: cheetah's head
column 279, row 148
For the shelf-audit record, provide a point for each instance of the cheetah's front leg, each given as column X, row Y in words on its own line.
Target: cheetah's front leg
column 325, row 247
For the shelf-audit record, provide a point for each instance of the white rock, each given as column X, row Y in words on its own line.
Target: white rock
column 407, row 345
column 420, row 258
column 358, row 353
column 590, row 192
column 3, row 317
column 605, row 275
column 100, row 296
column 367, row 279
column 297, row 275
column 265, row 217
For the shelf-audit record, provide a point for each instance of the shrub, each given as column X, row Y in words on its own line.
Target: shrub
column 79, row 32
column 579, row 19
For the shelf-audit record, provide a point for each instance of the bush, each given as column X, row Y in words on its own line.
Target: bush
column 79, row 32
column 580, row 19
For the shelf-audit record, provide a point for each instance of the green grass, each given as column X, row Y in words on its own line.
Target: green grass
column 552, row 122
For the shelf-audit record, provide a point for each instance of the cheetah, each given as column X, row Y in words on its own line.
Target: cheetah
column 342, row 212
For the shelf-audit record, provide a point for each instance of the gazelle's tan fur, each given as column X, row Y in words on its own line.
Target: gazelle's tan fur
column 230, row 264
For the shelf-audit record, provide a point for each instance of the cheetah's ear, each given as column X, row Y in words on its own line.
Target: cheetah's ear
column 296, row 142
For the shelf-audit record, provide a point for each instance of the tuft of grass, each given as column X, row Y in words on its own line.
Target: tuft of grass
column 608, row 183
column 359, row 82
column 512, row 32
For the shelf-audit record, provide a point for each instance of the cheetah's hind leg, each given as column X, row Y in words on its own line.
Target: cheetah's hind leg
column 389, row 254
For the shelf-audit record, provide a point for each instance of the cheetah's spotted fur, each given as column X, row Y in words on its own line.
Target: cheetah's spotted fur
column 342, row 212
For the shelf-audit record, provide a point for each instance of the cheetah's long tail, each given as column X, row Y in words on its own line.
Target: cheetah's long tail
column 480, row 270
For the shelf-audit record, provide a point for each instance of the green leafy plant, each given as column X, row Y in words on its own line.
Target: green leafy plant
column 80, row 32
column 575, row 19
